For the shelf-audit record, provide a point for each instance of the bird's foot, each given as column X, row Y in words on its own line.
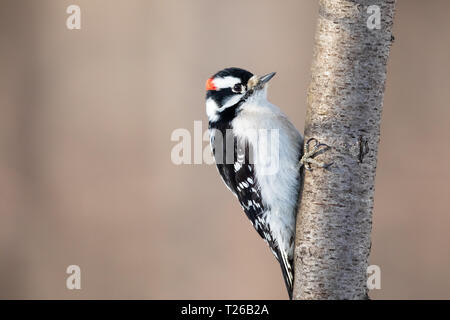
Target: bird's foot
column 309, row 154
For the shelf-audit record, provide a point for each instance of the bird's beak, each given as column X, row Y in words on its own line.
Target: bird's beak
column 266, row 78
column 257, row 83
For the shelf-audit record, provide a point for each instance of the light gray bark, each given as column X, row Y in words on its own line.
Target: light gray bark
column 345, row 100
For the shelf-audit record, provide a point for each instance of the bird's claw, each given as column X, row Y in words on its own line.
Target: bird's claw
column 308, row 155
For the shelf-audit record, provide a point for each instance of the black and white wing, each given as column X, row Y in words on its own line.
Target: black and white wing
column 239, row 176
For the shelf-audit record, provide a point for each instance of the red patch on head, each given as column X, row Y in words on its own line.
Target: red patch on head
column 210, row 85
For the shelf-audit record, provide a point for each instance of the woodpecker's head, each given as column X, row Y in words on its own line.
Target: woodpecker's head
column 228, row 89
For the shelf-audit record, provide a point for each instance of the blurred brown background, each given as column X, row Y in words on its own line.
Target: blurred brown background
column 86, row 176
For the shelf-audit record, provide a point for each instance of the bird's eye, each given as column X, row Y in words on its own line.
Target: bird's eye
column 237, row 88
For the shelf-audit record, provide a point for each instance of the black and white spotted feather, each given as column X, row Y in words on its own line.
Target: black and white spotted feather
column 241, row 180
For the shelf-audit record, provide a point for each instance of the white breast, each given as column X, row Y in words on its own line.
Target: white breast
column 279, row 180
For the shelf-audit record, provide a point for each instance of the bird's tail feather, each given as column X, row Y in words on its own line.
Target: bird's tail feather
column 286, row 269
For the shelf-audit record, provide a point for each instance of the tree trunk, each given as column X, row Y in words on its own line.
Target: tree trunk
column 345, row 100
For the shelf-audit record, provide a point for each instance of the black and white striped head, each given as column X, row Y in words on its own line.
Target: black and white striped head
column 229, row 88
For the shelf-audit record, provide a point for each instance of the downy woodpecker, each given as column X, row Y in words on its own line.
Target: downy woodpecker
column 258, row 153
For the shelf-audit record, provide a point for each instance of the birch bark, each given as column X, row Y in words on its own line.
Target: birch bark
column 345, row 101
